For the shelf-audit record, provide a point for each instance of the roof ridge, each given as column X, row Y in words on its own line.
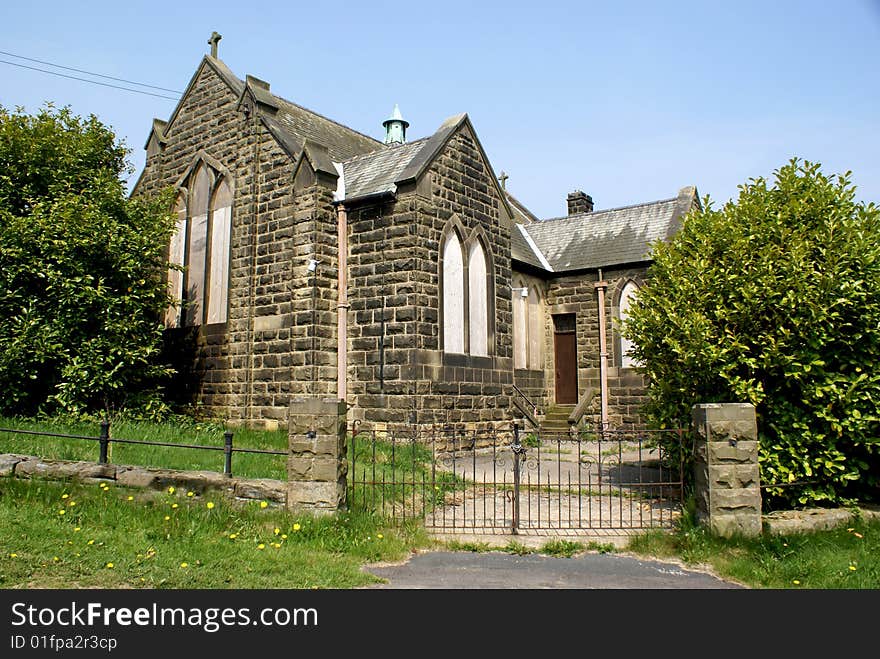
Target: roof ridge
column 332, row 121
column 608, row 210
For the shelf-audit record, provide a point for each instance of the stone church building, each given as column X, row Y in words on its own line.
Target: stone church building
column 397, row 275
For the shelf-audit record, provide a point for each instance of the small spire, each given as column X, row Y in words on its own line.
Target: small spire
column 395, row 127
column 214, row 41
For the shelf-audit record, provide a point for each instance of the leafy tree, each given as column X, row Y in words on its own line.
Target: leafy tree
column 82, row 269
column 775, row 300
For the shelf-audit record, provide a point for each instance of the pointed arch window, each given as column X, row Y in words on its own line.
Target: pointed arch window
column 201, row 244
column 478, row 300
column 197, row 243
column 627, row 297
column 453, row 294
column 176, row 254
column 218, row 271
column 528, row 325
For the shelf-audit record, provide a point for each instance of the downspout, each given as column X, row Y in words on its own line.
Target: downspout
column 600, row 287
column 342, row 307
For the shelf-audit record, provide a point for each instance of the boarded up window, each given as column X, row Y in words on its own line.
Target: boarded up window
column 478, row 301
column 218, row 276
column 198, row 242
column 453, row 295
column 176, row 256
column 627, row 297
column 536, row 329
column 520, row 327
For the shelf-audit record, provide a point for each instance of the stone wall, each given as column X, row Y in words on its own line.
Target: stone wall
column 576, row 293
column 279, row 338
column 397, row 370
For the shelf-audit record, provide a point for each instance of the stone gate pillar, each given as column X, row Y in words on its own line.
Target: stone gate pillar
column 316, row 463
column 727, row 479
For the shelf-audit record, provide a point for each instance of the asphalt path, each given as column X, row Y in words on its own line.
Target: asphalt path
column 497, row 570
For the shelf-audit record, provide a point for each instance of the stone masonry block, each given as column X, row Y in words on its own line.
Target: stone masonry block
column 742, row 452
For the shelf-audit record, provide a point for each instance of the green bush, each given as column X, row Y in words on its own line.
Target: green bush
column 82, row 270
column 774, row 300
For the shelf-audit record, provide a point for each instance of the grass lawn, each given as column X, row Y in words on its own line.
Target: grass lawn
column 843, row 558
column 65, row 535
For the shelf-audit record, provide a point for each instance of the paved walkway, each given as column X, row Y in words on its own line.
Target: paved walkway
column 495, row 570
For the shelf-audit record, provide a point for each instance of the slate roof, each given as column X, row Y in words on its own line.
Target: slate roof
column 376, row 172
column 293, row 124
column 609, row 237
column 342, row 142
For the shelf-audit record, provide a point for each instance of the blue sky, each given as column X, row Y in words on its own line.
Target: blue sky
column 627, row 101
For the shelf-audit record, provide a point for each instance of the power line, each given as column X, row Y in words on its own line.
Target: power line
column 99, row 75
column 94, row 82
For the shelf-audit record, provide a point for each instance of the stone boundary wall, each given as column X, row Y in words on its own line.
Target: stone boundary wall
column 26, row 466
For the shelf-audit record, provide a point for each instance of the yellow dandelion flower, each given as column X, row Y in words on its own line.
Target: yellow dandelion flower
column 90, row 542
column 233, row 536
column 263, row 504
column 796, row 582
column 55, row 558
column 850, row 529
column 380, row 536
column 209, row 505
column 284, row 536
column 296, row 527
column 277, row 545
column 61, row 512
column 190, row 493
column 167, row 518
column 77, row 529
column 129, row 498
column 277, row 531
column 64, row 496
column 261, row 546
column 184, row 564
column 858, row 535
column 852, row 567
column 171, row 490
column 70, row 542
column 110, row 565
column 174, row 505
column 71, row 503
column 13, row 555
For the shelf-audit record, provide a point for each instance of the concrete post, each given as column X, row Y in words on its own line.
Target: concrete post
column 317, row 462
column 727, row 478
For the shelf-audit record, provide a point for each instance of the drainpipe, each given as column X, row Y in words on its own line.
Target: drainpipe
column 342, row 307
column 601, row 285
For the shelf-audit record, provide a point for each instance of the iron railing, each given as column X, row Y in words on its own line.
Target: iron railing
column 105, row 440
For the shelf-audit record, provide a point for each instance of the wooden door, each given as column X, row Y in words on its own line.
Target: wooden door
column 565, row 355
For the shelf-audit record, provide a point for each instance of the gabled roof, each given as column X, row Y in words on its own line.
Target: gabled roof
column 289, row 123
column 384, row 171
column 377, row 172
column 301, row 124
column 608, row 237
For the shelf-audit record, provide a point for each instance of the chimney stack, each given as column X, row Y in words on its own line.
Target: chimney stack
column 578, row 202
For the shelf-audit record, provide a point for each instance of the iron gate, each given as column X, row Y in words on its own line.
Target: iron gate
column 514, row 482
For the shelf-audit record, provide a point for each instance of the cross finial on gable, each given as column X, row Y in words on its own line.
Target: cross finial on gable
column 214, row 40
column 503, row 178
